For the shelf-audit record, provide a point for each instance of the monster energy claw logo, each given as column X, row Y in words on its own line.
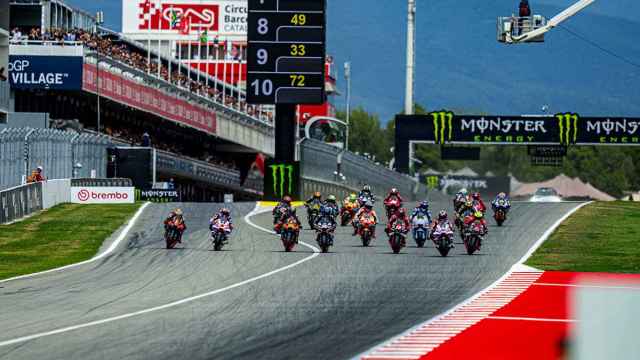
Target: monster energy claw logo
column 442, row 120
column 568, row 124
column 282, row 174
column 433, row 182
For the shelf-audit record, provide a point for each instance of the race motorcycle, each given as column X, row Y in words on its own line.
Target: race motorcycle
column 363, row 200
column 324, row 237
column 348, row 212
column 420, row 226
column 173, row 234
column 443, row 238
column 392, row 205
column 366, row 229
column 220, row 234
column 279, row 213
column 289, row 234
column 500, row 213
column 397, row 237
column 473, row 236
column 313, row 211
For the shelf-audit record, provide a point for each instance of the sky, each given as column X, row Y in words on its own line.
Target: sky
column 460, row 65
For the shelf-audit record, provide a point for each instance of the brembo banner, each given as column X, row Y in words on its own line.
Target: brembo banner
column 102, row 195
column 444, row 127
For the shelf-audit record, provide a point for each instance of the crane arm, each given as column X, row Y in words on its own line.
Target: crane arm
column 555, row 21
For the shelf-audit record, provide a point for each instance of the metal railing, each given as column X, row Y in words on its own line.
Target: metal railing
column 88, row 182
column 320, row 162
column 62, row 154
column 20, row 201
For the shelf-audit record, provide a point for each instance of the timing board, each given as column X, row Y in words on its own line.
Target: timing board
column 286, row 52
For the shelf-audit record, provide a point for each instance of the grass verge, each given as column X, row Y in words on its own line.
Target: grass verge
column 60, row 236
column 600, row 237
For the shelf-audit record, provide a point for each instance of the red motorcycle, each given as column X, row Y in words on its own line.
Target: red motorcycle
column 473, row 236
column 289, row 234
column 173, row 234
column 392, row 206
column 397, row 237
column 367, row 229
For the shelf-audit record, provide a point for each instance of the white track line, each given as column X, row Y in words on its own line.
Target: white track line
column 502, row 291
column 109, row 250
column 530, row 319
column 256, row 211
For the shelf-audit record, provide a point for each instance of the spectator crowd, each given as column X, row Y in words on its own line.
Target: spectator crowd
column 138, row 59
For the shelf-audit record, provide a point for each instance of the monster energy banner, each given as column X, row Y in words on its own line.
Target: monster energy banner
column 444, row 127
column 281, row 178
column 450, row 184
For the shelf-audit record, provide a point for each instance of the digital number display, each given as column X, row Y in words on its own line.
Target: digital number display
column 286, row 52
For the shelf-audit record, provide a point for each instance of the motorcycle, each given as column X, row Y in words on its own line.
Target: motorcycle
column 473, row 236
column 363, row 200
column 443, row 238
column 392, row 206
column 289, row 234
column 397, row 237
column 420, row 230
column 220, row 234
column 172, row 236
column 279, row 213
column 324, row 236
column 500, row 213
column 313, row 211
column 348, row 212
column 366, row 229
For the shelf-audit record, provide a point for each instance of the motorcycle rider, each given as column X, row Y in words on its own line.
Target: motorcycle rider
column 285, row 203
column 394, row 194
column 351, row 200
column 459, row 199
column 315, row 199
column 501, row 202
column 366, row 210
column 326, row 216
column 366, row 193
column 477, row 216
column 421, row 210
column 224, row 215
column 289, row 214
column 400, row 215
column 176, row 220
column 332, row 203
column 478, row 203
column 441, row 222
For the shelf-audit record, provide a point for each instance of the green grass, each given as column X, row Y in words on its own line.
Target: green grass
column 60, row 236
column 601, row 237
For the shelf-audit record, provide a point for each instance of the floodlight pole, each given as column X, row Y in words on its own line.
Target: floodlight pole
column 411, row 58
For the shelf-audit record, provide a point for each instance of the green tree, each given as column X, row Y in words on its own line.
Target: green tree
column 366, row 134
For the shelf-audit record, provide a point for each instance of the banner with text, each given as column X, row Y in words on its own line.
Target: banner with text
column 45, row 72
column 102, row 195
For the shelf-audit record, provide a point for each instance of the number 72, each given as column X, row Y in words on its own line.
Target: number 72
column 297, row 80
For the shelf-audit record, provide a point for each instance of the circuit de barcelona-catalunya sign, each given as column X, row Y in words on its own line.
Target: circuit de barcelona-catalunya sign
column 568, row 129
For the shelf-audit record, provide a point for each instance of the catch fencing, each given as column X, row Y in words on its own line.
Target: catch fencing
column 62, row 154
column 320, row 163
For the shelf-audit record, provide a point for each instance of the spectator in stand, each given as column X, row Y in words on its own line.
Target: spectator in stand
column 524, row 12
column 36, row 176
column 146, row 140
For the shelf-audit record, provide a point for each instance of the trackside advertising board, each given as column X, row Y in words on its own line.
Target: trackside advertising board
column 102, row 195
column 45, row 72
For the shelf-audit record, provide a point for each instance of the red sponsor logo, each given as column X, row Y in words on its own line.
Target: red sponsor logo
column 173, row 16
column 86, row 195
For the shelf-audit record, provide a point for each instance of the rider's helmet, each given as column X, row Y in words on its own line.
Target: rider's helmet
column 475, row 196
column 353, row 197
column 442, row 215
column 287, row 200
column 366, row 188
column 424, row 205
column 502, row 195
column 39, row 168
column 225, row 212
column 317, row 195
column 331, row 199
column 394, row 191
column 368, row 205
column 478, row 215
column 177, row 212
column 468, row 204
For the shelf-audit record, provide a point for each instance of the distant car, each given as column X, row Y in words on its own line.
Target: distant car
column 546, row 195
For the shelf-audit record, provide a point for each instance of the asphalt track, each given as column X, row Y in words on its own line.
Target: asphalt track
column 332, row 306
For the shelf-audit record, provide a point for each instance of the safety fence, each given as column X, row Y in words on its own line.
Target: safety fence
column 18, row 202
column 321, row 162
column 62, row 154
column 311, row 185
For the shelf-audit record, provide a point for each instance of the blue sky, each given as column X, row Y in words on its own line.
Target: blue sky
column 461, row 66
